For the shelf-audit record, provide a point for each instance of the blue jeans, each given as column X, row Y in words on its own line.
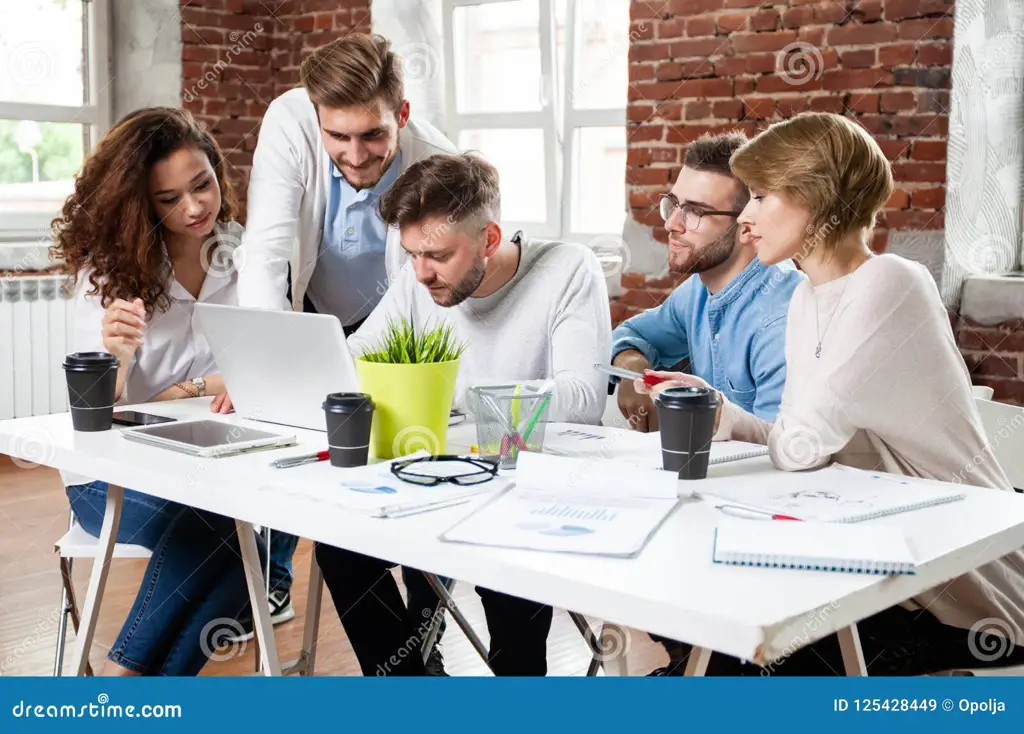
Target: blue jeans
column 194, row 587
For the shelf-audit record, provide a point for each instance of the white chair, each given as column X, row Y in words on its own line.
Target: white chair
column 983, row 392
column 77, row 543
column 1004, row 428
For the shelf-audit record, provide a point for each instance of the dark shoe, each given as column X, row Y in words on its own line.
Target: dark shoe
column 281, row 610
column 435, row 663
column 672, row 670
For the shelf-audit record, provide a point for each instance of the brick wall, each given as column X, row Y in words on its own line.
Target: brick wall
column 237, row 55
column 714, row 65
column 995, row 356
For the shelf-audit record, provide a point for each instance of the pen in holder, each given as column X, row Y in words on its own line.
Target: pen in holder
column 509, row 419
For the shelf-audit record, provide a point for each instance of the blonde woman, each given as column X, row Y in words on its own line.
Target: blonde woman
column 874, row 380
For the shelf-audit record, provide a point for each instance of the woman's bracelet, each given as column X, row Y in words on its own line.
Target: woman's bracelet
column 188, row 388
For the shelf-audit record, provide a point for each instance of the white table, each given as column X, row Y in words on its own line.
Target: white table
column 672, row 589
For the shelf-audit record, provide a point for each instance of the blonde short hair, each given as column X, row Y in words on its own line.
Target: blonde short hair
column 354, row 70
column 824, row 162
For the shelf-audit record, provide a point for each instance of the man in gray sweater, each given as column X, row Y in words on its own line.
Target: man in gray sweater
column 527, row 311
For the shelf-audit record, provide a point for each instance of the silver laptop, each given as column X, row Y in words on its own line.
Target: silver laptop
column 278, row 366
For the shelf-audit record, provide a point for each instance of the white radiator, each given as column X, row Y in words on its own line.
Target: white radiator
column 35, row 333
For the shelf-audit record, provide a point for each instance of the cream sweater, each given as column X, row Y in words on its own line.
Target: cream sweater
column 890, row 392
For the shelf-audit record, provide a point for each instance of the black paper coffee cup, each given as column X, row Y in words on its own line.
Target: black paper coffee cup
column 687, row 419
column 349, row 419
column 92, row 382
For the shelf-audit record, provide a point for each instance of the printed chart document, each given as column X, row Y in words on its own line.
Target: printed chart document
column 553, row 507
column 375, row 491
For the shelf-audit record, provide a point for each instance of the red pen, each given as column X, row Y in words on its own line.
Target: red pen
column 753, row 514
column 300, row 460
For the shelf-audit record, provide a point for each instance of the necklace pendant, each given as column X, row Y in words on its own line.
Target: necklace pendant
column 817, row 352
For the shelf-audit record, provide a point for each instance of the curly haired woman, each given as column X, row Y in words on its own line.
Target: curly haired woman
column 147, row 234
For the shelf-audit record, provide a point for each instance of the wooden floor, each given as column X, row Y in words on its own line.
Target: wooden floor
column 34, row 513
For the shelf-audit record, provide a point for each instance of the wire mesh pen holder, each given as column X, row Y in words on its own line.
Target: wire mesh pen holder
column 509, row 419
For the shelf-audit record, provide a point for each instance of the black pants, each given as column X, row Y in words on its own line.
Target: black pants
column 895, row 642
column 387, row 636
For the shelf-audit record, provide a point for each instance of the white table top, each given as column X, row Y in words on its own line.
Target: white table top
column 672, row 588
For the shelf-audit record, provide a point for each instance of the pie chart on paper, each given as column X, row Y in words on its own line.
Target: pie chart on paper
column 369, row 488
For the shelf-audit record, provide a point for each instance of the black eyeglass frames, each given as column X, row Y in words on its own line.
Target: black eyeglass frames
column 419, row 470
column 692, row 214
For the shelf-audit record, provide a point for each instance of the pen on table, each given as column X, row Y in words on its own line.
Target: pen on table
column 752, row 514
column 291, row 461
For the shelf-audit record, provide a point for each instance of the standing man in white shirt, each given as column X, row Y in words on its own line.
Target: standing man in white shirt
column 314, row 241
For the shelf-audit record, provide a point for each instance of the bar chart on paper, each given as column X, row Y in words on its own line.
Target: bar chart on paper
column 570, row 512
column 563, row 522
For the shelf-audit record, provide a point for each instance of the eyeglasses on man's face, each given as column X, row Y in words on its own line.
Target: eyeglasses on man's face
column 691, row 213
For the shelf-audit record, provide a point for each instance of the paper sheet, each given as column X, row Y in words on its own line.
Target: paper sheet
column 375, row 491
column 639, row 449
column 837, row 494
column 594, row 476
column 563, row 523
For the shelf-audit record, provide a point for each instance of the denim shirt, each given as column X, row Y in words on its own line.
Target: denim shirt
column 735, row 339
column 350, row 270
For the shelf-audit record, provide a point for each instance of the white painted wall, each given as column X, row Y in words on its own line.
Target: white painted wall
column 146, row 40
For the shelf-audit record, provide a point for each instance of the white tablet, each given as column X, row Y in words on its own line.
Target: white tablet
column 207, row 438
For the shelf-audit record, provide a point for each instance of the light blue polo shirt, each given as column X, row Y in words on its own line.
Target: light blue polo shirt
column 350, row 265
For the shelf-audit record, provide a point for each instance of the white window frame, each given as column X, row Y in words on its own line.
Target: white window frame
column 94, row 112
column 559, row 138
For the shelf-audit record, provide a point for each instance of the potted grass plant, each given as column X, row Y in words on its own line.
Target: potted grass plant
column 410, row 373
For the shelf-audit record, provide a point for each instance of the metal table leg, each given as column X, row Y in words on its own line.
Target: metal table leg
column 98, row 578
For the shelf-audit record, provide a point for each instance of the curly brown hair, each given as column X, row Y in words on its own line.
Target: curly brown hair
column 108, row 226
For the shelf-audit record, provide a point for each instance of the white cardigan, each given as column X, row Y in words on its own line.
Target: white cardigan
column 288, row 192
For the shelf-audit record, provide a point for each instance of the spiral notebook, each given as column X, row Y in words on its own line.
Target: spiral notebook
column 864, row 549
column 838, row 494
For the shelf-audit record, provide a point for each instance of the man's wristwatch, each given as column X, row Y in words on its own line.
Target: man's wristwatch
column 200, row 384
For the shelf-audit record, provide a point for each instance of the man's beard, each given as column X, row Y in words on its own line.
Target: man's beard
column 360, row 185
column 710, row 256
column 465, row 288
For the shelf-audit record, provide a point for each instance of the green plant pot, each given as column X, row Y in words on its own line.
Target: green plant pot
column 413, row 402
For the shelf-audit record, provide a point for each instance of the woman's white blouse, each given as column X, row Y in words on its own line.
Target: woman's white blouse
column 173, row 347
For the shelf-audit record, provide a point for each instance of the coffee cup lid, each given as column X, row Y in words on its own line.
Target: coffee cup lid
column 347, row 402
column 688, row 396
column 89, row 361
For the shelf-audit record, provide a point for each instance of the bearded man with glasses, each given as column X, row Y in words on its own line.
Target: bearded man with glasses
column 729, row 323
